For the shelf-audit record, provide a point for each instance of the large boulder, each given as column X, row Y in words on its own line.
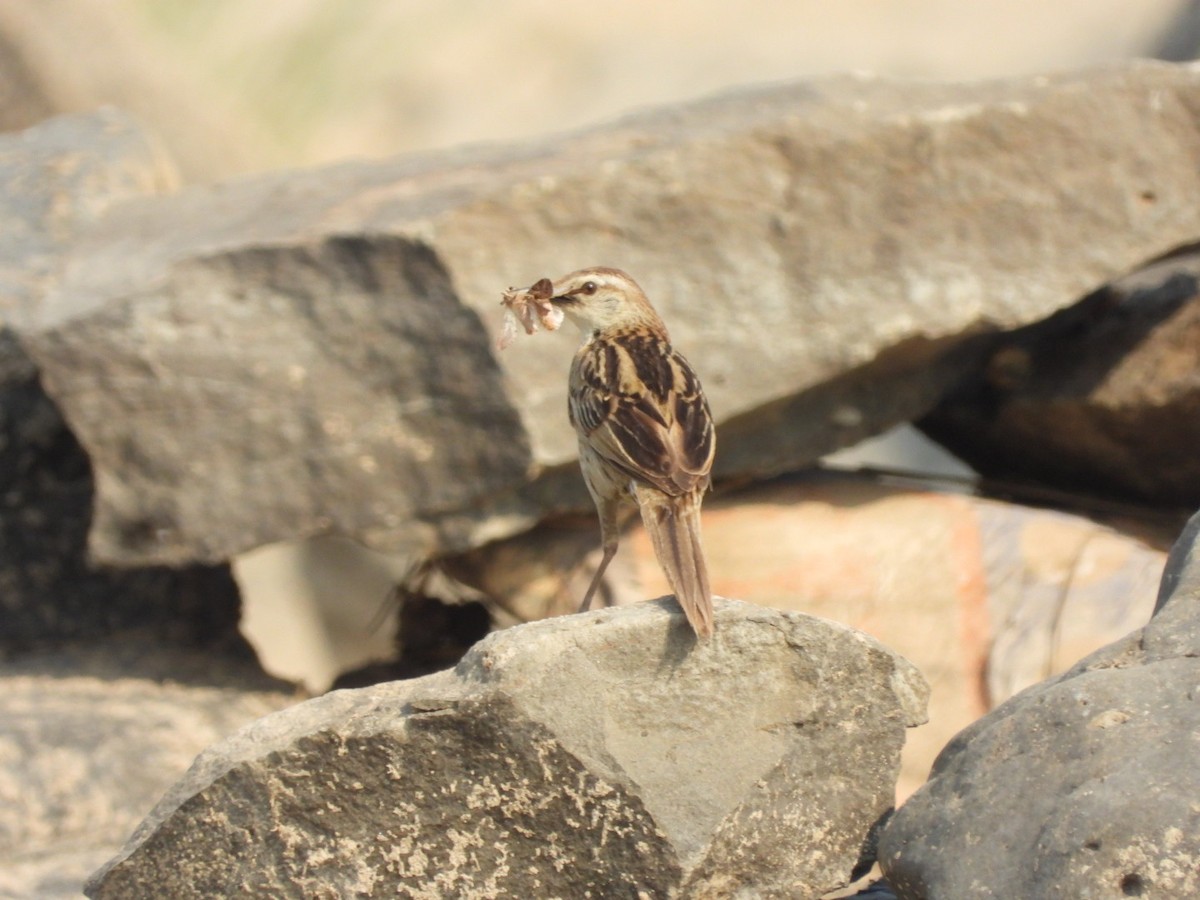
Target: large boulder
column 310, row 352
column 56, row 180
column 602, row 754
column 1082, row 786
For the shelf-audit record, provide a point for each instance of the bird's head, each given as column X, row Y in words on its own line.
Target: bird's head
column 600, row 299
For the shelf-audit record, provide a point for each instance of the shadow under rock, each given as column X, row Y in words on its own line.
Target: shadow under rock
column 51, row 593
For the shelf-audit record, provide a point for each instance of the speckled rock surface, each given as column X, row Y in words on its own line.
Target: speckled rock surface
column 595, row 755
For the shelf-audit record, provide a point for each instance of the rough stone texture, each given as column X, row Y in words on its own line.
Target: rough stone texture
column 324, row 336
column 1104, row 398
column 1181, row 574
column 1083, row 786
column 90, row 738
column 595, row 755
column 55, row 179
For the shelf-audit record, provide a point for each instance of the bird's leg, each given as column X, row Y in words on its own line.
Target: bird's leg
column 610, row 535
column 610, row 550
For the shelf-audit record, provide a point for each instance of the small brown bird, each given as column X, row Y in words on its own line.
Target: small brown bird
column 645, row 430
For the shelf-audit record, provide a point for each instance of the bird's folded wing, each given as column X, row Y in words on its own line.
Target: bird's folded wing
column 643, row 411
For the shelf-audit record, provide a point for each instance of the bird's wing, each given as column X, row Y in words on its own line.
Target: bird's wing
column 640, row 406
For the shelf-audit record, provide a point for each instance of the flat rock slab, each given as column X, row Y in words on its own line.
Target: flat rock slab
column 597, row 755
column 1083, row 786
column 309, row 352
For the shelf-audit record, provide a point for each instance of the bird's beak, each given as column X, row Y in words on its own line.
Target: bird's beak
column 560, row 294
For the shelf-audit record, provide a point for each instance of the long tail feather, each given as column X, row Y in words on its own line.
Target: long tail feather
column 674, row 527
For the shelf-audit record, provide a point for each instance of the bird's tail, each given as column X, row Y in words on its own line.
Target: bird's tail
column 674, row 527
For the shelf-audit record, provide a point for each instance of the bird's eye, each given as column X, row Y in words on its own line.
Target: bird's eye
column 589, row 287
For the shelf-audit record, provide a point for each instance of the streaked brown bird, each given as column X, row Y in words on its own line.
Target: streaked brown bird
column 645, row 430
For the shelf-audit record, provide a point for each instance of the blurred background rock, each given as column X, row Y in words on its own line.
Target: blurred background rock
column 236, row 87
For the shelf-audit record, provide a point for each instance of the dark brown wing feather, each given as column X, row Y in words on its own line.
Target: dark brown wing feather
column 643, row 410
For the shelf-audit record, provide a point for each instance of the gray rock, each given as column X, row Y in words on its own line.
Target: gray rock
column 597, row 755
column 1181, row 573
column 91, row 737
column 55, row 180
column 311, row 352
column 1082, row 786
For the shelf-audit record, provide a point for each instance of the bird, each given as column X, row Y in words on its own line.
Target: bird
column 645, row 430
